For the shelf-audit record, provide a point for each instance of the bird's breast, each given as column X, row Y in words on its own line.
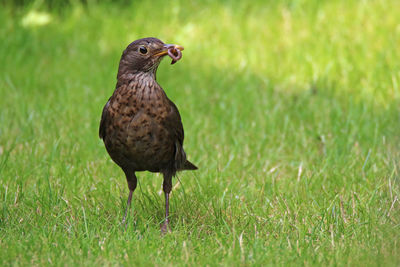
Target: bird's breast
column 138, row 111
column 141, row 95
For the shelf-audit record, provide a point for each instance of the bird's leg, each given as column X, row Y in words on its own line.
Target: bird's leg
column 167, row 186
column 132, row 182
column 166, row 208
column 128, row 205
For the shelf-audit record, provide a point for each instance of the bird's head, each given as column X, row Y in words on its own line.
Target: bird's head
column 144, row 55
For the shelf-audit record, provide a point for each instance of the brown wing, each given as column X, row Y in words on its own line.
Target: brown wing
column 173, row 124
column 104, row 120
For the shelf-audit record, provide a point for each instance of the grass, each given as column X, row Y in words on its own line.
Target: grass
column 291, row 111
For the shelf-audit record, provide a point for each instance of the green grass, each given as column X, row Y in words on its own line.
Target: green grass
column 291, row 111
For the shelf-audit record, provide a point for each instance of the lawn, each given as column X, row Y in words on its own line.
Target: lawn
column 291, row 112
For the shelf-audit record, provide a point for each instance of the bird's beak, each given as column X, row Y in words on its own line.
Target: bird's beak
column 165, row 48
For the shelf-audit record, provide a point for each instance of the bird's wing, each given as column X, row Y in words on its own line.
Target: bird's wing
column 173, row 123
column 174, row 126
column 176, row 129
column 104, row 120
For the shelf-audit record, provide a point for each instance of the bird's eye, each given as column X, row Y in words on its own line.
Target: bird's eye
column 143, row 50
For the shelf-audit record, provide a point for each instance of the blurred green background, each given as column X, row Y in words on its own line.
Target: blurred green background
column 291, row 111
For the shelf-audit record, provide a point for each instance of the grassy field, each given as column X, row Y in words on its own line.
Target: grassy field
column 291, row 111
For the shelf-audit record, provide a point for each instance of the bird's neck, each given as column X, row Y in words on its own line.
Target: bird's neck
column 142, row 77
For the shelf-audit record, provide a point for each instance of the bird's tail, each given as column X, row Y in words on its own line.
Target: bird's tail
column 181, row 163
column 189, row 166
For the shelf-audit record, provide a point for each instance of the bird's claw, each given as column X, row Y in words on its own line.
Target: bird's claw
column 165, row 228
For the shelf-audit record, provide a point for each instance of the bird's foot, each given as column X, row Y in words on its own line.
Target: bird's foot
column 165, row 228
column 124, row 222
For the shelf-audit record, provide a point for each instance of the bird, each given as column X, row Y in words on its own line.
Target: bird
column 140, row 126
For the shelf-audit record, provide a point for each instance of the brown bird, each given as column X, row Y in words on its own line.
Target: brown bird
column 141, row 128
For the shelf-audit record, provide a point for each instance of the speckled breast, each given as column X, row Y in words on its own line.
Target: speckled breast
column 136, row 135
